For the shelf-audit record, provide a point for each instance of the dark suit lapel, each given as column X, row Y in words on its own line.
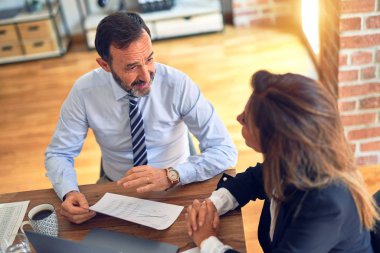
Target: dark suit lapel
column 280, row 224
column 288, row 211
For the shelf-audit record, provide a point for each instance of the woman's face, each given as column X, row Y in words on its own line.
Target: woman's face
column 249, row 131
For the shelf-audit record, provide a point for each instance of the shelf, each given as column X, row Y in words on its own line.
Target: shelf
column 180, row 10
column 186, row 17
column 31, row 36
column 37, row 56
column 184, row 9
column 25, row 16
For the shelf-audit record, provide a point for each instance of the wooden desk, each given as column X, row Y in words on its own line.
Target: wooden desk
column 231, row 225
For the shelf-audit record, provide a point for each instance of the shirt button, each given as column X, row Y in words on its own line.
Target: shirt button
column 224, row 179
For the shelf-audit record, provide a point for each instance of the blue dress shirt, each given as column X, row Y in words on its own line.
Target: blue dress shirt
column 173, row 107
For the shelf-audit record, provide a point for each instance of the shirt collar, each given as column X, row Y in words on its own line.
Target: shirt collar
column 118, row 92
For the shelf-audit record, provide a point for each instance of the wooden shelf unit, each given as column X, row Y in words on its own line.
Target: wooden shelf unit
column 186, row 17
column 32, row 36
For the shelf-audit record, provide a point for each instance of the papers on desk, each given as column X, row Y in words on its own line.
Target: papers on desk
column 149, row 213
column 11, row 216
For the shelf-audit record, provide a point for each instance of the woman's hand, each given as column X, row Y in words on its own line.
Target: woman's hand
column 202, row 221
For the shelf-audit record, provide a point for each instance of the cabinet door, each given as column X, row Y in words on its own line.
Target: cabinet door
column 189, row 25
column 9, row 44
column 9, row 49
column 8, row 33
column 39, row 46
column 36, row 30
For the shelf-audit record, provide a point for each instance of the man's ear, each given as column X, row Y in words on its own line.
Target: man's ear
column 103, row 64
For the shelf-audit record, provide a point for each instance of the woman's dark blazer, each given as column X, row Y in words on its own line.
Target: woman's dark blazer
column 313, row 221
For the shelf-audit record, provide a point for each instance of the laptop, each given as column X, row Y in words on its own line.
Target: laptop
column 124, row 243
column 48, row 244
column 98, row 241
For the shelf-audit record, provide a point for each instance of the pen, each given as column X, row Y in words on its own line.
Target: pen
column 83, row 208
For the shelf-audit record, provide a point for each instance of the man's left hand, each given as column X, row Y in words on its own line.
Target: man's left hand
column 145, row 178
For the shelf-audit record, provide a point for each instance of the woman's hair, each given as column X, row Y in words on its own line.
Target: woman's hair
column 119, row 29
column 302, row 139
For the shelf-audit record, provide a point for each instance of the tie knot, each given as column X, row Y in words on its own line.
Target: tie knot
column 133, row 101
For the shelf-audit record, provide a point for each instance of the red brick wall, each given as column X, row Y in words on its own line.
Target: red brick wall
column 251, row 12
column 329, row 59
column 359, row 77
column 349, row 60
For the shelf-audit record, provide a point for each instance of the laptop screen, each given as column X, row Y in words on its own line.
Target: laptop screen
column 47, row 244
column 124, row 243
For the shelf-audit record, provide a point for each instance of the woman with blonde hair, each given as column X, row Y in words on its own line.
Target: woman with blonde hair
column 315, row 199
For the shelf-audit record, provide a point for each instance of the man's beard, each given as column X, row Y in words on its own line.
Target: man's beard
column 134, row 92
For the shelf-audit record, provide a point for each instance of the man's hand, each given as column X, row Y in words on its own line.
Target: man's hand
column 75, row 208
column 145, row 178
column 202, row 221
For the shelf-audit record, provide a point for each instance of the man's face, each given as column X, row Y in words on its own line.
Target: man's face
column 133, row 67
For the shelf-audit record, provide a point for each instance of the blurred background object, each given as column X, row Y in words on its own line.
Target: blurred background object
column 10, row 9
column 34, row 5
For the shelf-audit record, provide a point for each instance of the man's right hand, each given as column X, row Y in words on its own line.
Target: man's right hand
column 75, row 208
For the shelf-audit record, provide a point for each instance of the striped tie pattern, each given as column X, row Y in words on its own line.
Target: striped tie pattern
column 138, row 134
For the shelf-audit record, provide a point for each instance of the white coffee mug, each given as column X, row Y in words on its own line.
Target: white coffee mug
column 43, row 219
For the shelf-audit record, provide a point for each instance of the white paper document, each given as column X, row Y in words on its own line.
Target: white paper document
column 11, row 216
column 149, row 213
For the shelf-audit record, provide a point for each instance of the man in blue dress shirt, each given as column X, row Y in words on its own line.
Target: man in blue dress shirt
column 170, row 103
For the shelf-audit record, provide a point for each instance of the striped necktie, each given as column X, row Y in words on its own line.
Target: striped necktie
column 138, row 134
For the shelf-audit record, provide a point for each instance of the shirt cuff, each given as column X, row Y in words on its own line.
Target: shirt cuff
column 223, row 200
column 213, row 245
column 186, row 173
column 66, row 189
